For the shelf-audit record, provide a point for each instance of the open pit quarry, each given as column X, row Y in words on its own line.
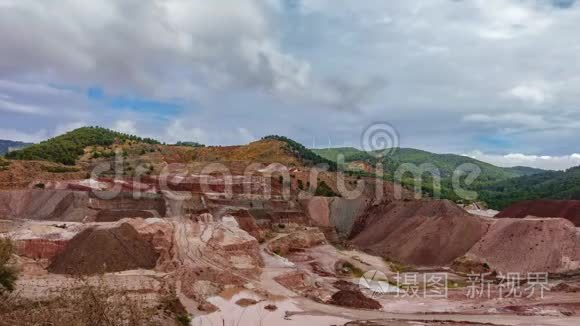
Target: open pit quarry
column 242, row 259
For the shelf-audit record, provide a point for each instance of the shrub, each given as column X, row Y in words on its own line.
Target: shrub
column 60, row 169
column 4, row 164
column 324, row 190
column 300, row 185
column 7, row 274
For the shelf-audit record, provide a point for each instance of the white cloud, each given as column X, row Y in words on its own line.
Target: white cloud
column 17, row 135
column 125, row 126
column 66, row 127
column 515, row 119
column 508, row 67
column 163, row 49
column 9, row 106
column 533, row 94
column 537, row 161
column 506, row 19
column 179, row 130
column 246, row 135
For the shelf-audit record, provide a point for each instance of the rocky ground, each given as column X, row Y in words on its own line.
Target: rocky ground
column 206, row 259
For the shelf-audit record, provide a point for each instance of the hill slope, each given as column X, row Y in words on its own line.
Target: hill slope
column 442, row 165
column 547, row 185
column 307, row 156
column 67, row 148
column 445, row 163
column 9, row 145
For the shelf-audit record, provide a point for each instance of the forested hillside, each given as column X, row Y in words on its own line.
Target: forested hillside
column 307, row 156
column 547, row 185
column 442, row 165
column 67, row 148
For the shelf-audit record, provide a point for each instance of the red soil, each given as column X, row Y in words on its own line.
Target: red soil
column 354, row 299
column 568, row 209
column 105, row 250
column 40, row 248
column 529, row 245
column 424, row 233
column 248, row 223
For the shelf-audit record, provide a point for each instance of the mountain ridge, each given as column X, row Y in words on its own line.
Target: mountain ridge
column 444, row 162
column 11, row 145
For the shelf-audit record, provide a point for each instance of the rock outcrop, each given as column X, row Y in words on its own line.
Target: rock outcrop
column 297, row 240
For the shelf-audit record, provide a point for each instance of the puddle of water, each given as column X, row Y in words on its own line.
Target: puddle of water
column 231, row 314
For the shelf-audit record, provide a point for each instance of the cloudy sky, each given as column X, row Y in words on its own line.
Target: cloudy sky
column 498, row 80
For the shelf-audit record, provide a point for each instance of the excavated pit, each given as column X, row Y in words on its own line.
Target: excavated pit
column 78, row 206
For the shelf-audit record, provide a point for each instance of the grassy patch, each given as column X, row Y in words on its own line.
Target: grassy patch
column 355, row 271
column 456, row 284
column 183, row 320
column 60, row 169
column 396, row 266
column 4, row 164
column 8, row 275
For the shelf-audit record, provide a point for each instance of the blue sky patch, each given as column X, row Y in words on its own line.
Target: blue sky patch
column 494, row 142
column 137, row 104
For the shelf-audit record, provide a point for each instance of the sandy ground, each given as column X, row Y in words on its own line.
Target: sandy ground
column 294, row 309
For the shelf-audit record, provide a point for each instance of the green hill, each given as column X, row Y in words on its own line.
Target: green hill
column 546, row 185
column 444, row 163
column 525, row 170
column 67, row 148
column 307, row 156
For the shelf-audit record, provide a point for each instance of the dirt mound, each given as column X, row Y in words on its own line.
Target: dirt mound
column 529, row 245
column 568, row 209
column 345, row 285
column 102, row 250
column 354, row 299
column 425, row 232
